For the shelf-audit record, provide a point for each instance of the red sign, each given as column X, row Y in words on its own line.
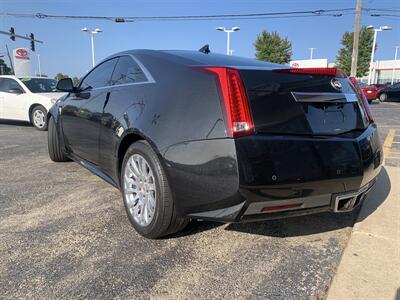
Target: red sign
column 21, row 54
column 295, row 65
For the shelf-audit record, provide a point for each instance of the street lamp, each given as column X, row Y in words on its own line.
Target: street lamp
column 395, row 61
column 376, row 30
column 40, row 70
column 311, row 52
column 92, row 34
column 228, row 31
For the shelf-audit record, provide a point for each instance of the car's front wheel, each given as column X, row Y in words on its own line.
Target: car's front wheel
column 383, row 97
column 147, row 196
column 53, row 143
column 39, row 117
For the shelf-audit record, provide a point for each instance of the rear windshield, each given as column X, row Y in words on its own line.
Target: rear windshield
column 302, row 104
column 40, row 85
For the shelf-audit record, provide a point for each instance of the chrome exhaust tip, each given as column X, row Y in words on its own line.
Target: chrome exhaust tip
column 348, row 201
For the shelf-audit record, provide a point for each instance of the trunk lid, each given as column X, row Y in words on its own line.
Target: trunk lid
column 302, row 104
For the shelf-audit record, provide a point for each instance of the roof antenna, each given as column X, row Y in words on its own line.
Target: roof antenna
column 205, row 49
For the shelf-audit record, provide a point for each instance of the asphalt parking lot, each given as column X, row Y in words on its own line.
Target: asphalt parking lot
column 64, row 234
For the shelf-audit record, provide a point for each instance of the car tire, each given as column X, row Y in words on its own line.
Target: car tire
column 383, row 97
column 146, row 193
column 39, row 118
column 53, row 144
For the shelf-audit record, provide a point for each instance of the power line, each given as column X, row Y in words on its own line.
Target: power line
column 321, row 12
column 384, row 15
column 246, row 16
column 382, row 9
column 241, row 18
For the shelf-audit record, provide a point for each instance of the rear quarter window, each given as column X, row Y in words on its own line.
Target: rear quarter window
column 127, row 71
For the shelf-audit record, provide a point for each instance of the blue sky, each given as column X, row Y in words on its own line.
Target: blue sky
column 67, row 48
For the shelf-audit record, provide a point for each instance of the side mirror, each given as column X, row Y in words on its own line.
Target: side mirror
column 65, row 85
column 16, row 91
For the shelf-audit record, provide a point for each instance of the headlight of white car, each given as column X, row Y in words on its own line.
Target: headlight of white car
column 53, row 100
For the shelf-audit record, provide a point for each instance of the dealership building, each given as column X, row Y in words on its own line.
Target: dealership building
column 383, row 70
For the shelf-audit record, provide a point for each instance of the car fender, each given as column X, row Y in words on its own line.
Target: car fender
column 54, row 112
column 379, row 92
column 39, row 100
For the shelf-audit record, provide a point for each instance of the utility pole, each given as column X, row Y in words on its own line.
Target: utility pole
column 356, row 39
column 9, row 57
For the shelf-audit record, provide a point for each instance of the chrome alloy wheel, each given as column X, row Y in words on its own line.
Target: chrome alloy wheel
column 39, row 119
column 140, row 190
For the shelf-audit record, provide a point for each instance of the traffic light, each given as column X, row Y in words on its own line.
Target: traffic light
column 12, row 36
column 32, row 37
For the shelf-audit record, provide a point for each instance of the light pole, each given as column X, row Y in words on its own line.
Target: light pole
column 376, row 30
column 2, row 66
column 311, row 52
column 395, row 61
column 40, row 71
column 228, row 32
column 92, row 33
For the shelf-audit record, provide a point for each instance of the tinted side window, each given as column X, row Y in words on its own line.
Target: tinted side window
column 127, row 71
column 100, row 76
column 7, row 84
column 396, row 86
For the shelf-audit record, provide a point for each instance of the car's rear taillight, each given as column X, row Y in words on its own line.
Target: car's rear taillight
column 235, row 100
column 313, row 71
column 364, row 101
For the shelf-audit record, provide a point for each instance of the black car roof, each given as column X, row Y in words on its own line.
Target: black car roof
column 191, row 57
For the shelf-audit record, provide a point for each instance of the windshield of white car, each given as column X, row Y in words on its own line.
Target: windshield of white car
column 40, row 85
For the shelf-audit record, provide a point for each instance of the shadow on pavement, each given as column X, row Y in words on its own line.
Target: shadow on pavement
column 195, row 227
column 377, row 195
column 297, row 226
column 303, row 225
column 14, row 122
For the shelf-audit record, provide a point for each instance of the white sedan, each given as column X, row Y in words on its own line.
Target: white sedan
column 27, row 99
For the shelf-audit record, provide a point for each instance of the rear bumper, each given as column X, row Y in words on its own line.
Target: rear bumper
column 337, row 203
column 245, row 212
column 370, row 96
column 283, row 176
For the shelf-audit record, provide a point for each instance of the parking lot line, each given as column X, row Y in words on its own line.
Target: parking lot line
column 388, row 142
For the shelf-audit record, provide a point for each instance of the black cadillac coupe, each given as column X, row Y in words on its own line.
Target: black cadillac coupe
column 191, row 135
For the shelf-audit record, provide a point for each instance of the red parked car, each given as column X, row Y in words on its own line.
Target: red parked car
column 371, row 91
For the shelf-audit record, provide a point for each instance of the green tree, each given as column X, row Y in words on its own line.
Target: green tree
column 4, row 69
column 273, row 48
column 60, row 76
column 343, row 59
column 75, row 80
